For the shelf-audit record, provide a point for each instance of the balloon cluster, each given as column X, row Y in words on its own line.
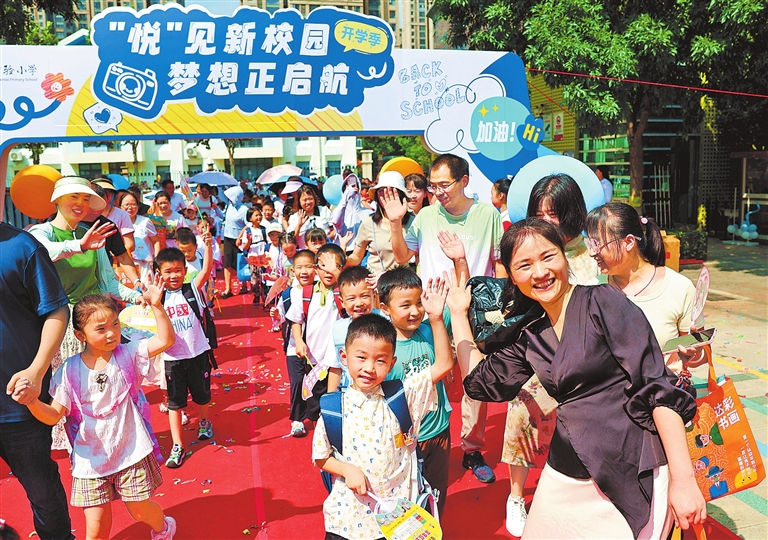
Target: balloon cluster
column 747, row 230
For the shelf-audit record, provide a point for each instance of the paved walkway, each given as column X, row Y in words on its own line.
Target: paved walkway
column 738, row 307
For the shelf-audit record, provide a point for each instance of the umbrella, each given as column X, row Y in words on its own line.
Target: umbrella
column 215, row 178
column 271, row 175
column 278, row 287
column 303, row 179
column 119, row 181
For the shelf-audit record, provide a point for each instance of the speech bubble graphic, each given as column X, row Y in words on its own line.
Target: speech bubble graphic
column 365, row 38
column 493, row 126
column 101, row 118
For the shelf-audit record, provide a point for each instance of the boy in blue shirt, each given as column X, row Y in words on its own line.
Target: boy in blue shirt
column 419, row 345
column 357, row 299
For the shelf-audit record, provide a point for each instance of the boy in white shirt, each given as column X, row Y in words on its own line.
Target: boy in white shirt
column 311, row 324
column 380, row 465
column 188, row 362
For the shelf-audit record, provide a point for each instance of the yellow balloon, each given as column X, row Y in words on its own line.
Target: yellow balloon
column 31, row 190
column 403, row 165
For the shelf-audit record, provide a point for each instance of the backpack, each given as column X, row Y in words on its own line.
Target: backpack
column 394, row 394
column 205, row 318
column 306, row 297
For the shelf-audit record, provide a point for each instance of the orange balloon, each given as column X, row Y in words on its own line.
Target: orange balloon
column 403, row 165
column 31, row 190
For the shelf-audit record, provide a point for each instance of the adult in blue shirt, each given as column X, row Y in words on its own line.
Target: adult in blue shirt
column 234, row 221
column 33, row 319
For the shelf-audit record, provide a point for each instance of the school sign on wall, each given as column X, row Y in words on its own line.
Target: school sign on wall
column 175, row 72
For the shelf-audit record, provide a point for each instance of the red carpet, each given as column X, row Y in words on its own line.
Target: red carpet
column 252, row 482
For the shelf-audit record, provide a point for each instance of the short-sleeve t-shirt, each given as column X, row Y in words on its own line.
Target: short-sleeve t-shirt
column 321, row 221
column 379, row 239
column 112, row 435
column 418, row 354
column 122, row 221
column 190, row 337
column 479, row 229
column 320, row 318
column 78, row 273
column 143, row 230
column 30, row 289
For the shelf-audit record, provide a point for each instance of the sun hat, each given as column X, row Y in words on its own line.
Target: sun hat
column 291, row 187
column 391, row 179
column 105, row 183
column 274, row 227
column 75, row 184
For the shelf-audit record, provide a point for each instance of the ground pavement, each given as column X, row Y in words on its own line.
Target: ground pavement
column 251, row 481
column 738, row 307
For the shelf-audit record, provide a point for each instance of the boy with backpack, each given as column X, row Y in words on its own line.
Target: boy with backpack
column 314, row 308
column 420, row 344
column 188, row 362
column 380, row 464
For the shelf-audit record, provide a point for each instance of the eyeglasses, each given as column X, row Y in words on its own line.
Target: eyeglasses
column 594, row 247
column 440, row 188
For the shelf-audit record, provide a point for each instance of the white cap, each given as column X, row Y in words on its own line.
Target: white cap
column 391, row 179
column 274, row 227
column 75, row 184
column 291, row 187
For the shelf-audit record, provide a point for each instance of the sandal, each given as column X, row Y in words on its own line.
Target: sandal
column 227, row 294
column 164, row 407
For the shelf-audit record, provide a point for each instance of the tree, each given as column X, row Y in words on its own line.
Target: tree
column 135, row 149
column 647, row 40
column 15, row 17
column 231, row 144
column 385, row 148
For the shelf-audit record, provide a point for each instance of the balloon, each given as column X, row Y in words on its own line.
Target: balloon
column 31, row 190
column 332, row 189
column 403, row 165
column 752, row 227
column 119, row 181
column 752, row 235
column 521, row 187
column 732, row 229
column 744, row 226
column 745, row 235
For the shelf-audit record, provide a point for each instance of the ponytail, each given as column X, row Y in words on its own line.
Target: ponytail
column 619, row 220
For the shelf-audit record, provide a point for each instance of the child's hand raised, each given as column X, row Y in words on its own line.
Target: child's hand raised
column 153, row 292
column 355, row 479
column 459, row 295
column 433, row 297
column 206, row 236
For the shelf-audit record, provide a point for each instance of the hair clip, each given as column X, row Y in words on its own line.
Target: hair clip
column 644, row 220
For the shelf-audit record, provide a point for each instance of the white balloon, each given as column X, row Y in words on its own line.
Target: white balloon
column 521, row 187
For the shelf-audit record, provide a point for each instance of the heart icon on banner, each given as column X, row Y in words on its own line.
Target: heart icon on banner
column 103, row 116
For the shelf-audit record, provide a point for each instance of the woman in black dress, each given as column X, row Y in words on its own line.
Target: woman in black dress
column 618, row 465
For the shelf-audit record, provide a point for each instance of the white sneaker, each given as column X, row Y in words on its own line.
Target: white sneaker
column 516, row 515
column 168, row 532
column 298, row 430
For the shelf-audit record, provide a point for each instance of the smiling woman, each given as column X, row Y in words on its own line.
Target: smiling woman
column 575, row 341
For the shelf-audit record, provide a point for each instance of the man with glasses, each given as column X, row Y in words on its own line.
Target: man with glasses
column 478, row 226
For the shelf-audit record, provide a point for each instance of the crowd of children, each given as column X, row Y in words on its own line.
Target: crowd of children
column 367, row 356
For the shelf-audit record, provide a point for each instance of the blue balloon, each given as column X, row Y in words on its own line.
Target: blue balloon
column 521, row 187
column 332, row 189
column 744, row 226
column 732, row 229
column 752, row 235
column 745, row 235
column 752, row 227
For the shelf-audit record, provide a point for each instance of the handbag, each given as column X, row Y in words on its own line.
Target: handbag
column 491, row 328
column 243, row 268
column 725, row 456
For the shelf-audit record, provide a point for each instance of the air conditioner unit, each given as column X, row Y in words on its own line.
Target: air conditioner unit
column 192, row 151
column 15, row 155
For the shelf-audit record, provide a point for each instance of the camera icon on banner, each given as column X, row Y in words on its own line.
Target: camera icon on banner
column 131, row 86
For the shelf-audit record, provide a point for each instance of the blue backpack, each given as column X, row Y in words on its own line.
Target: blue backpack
column 394, row 394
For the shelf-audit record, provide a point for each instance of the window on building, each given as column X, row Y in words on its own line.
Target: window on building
column 305, row 168
column 97, row 6
column 160, row 142
column 392, row 14
column 95, row 146
column 250, row 143
column 374, row 8
column 164, row 171
column 333, row 166
column 250, row 168
column 117, row 168
column 80, row 5
column 89, row 170
column 313, row 7
column 333, row 138
column 273, row 5
column 300, row 139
